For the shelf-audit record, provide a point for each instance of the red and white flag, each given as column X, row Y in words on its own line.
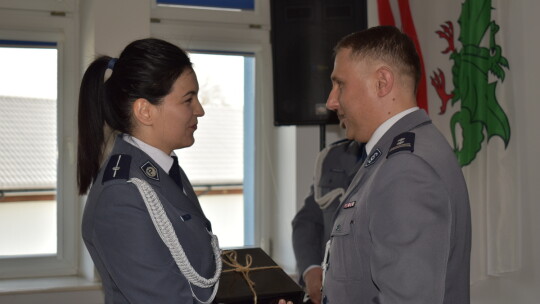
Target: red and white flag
column 466, row 60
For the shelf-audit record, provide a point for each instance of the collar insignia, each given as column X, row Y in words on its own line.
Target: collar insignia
column 150, row 171
column 373, row 157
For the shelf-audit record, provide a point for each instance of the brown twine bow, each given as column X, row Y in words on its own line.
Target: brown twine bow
column 231, row 255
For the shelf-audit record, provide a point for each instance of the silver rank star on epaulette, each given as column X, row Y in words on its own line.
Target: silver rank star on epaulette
column 117, row 168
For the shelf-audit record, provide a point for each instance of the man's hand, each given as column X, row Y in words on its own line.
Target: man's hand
column 313, row 279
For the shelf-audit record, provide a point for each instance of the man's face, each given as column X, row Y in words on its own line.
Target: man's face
column 354, row 95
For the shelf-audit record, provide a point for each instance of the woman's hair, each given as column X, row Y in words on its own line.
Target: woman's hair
column 146, row 69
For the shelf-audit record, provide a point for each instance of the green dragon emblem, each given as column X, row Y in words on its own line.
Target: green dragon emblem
column 479, row 106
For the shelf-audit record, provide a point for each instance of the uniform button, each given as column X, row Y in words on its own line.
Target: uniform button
column 338, row 228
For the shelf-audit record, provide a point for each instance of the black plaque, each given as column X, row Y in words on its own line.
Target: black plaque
column 269, row 281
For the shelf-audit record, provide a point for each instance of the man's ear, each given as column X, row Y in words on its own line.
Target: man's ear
column 143, row 111
column 385, row 81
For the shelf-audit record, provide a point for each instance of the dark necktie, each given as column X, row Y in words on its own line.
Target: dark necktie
column 174, row 173
column 363, row 154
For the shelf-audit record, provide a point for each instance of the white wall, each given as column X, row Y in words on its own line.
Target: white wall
column 108, row 26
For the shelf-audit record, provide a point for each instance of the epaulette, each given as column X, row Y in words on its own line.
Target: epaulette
column 339, row 142
column 402, row 142
column 117, row 167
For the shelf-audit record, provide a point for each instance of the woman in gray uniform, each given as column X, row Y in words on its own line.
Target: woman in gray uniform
column 142, row 224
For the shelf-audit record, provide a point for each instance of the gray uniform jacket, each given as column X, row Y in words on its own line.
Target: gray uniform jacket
column 402, row 233
column 134, row 264
column 311, row 226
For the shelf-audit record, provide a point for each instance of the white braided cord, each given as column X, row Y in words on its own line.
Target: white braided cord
column 168, row 235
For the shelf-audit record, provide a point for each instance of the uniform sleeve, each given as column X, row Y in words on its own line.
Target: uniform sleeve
column 410, row 231
column 136, row 258
column 308, row 234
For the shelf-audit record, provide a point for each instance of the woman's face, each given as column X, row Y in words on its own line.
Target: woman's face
column 178, row 113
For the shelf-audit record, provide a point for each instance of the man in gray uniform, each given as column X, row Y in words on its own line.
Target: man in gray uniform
column 335, row 167
column 402, row 232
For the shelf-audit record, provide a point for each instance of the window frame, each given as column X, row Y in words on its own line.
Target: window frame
column 218, row 4
column 259, row 17
column 16, row 23
column 40, row 5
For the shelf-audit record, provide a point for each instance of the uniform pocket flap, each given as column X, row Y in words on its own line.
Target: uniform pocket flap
column 343, row 223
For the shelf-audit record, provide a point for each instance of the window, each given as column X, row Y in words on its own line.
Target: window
column 28, row 120
column 39, row 206
column 218, row 164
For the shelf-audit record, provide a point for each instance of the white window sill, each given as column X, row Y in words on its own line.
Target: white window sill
column 51, row 284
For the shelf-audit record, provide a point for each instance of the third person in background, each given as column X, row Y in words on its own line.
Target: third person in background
column 335, row 167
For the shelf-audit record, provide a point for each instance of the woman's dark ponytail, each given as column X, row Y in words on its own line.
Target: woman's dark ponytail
column 91, row 121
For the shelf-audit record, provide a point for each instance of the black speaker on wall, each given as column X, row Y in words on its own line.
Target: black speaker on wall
column 304, row 33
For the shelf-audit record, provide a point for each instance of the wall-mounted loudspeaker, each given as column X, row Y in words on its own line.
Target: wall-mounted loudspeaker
column 304, row 33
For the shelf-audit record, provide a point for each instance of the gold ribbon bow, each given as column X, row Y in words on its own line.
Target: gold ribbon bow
column 230, row 258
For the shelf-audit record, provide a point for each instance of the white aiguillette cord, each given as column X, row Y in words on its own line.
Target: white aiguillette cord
column 168, row 235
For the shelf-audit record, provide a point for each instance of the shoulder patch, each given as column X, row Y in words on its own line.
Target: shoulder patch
column 402, row 142
column 117, row 167
column 150, row 170
column 372, row 158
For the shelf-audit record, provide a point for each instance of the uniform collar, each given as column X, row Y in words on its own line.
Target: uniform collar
column 384, row 127
column 161, row 158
